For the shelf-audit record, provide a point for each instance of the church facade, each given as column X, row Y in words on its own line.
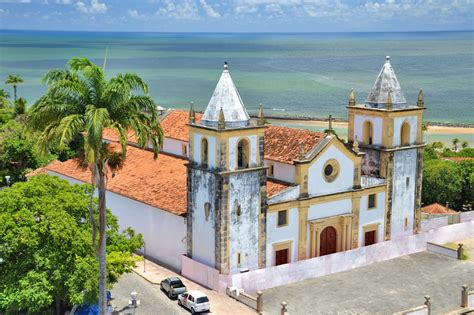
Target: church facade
column 248, row 195
column 342, row 195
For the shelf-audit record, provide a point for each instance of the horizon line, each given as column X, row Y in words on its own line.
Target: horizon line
column 230, row 32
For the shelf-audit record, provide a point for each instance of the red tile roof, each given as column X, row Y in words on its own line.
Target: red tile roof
column 283, row 144
column 175, row 124
column 436, row 208
column 160, row 183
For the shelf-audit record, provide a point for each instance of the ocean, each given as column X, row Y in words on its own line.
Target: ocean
column 290, row 74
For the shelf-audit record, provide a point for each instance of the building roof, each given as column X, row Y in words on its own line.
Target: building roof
column 283, row 144
column 436, row 208
column 174, row 124
column 385, row 82
column 159, row 183
column 227, row 98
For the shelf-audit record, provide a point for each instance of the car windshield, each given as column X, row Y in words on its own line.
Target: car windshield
column 202, row 299
column 177, row 284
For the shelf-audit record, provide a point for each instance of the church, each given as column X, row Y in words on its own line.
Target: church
column 236, row 193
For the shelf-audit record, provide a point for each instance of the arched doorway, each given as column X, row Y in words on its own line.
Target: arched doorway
column 327, row 241
column 367, row 133
column 405, row 134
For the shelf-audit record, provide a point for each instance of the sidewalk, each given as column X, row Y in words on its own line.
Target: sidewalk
column 220, row 303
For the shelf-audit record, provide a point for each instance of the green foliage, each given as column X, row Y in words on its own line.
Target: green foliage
column 20, row 106
column 45, row 246
column 442, row 182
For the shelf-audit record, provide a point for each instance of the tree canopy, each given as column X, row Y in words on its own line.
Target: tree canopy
column 46, row 253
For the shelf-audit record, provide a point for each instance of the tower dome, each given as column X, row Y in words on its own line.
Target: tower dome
column 226, row 98
column 386, row 82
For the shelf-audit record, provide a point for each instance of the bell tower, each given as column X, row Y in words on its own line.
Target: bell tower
column 226, row 183
column 389, row 131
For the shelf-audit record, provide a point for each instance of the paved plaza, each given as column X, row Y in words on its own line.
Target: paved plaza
column 381, row 288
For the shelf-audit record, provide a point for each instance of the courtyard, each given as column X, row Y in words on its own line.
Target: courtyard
column 381, row 288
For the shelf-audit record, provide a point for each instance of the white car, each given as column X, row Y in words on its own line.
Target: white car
column 195, row 301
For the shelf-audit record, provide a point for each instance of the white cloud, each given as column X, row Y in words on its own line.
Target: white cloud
column 134, row 14
column 210, row 11
column 185, row 10
column 63, row 1
column 95, row 7
column 15, row 1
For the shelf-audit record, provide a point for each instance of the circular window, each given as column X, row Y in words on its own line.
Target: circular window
column 331, row 170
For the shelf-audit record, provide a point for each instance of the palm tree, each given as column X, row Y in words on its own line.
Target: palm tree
column 81, row 101
column 455, row 144
column 14, row 79
column 464, row 145
column 20, row 106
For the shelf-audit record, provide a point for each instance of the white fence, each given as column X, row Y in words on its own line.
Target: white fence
column 267, row 278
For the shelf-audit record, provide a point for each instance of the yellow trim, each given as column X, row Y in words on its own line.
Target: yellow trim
column 286, row 219
column 202, row 152
column 368, row 202
column 369, row 228
column 239, row 259
column 335, row 170
column 281, row 246
column 339, row 223
column 302, row 232
column 249, row 152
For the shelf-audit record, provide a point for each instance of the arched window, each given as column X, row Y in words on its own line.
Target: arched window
column 405, row 134
column 243, row 154
column 367, row 133
column 204, row 152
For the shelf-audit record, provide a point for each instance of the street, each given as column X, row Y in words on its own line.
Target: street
column 152, row 300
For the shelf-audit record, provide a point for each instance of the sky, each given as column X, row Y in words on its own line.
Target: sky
column 238, row 15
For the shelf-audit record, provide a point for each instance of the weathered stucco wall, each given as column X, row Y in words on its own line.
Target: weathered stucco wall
column 164, row 233
column 286, row 233
column 282, row 171
column 244, row 191
column 203, row 229
column 377, row 124
column 329, row 209
column 371, row 162
column 403, row 196
column 317, row 184
column 372, row 216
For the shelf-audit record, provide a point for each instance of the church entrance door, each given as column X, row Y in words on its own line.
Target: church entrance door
column 327, row 244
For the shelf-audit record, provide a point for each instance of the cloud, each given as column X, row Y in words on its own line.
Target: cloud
column 63, row 1
column 210, row 11
column 179, row 10
column 134, row 14
column 95, row 7
column 15, row 1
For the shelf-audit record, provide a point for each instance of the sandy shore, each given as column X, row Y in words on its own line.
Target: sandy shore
column 440, row 130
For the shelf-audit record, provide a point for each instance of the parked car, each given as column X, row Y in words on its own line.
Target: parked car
column 173, row 286
column 194, row 301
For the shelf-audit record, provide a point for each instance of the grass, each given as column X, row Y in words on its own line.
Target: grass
column 455, row 246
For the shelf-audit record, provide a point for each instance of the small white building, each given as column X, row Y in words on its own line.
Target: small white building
column 236, row 194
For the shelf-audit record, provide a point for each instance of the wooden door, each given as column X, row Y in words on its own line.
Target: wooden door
column 281, row 257
column 328, row 241
column 369, row 238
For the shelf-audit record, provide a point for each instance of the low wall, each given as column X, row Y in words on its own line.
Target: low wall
column 419, row 310
column 467, row 216
column 434, row 223
column 270, row 277
column 443, row 250
column 242, row 297
column 470, row 299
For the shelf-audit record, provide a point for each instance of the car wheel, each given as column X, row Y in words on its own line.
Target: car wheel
column 179, row 302
column 193, row 311
column 170, row 295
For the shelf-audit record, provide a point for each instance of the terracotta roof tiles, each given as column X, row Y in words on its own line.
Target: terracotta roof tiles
column 283, row 144
column 175, row 124
column 436, row 208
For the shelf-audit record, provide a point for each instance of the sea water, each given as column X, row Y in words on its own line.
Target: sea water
column 290, row 74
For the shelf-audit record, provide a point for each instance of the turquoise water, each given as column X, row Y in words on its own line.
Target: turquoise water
column 304, row 74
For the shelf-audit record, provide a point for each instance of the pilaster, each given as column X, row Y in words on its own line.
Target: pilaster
column 355, row 220
column 302, row 232
column 419, row 179
column 262, row 246
column 388, row 197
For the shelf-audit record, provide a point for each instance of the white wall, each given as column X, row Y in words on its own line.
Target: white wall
column 203, row 231
column 164, row 233
column 175, row 147
column 403, row 196
column 282, row 171
column 286, row 233
column 397, row 126
column 253, row 143
column 377, row 124
column 211, row 150
column 317, row 185
column 374, row 215
column 329, row 209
